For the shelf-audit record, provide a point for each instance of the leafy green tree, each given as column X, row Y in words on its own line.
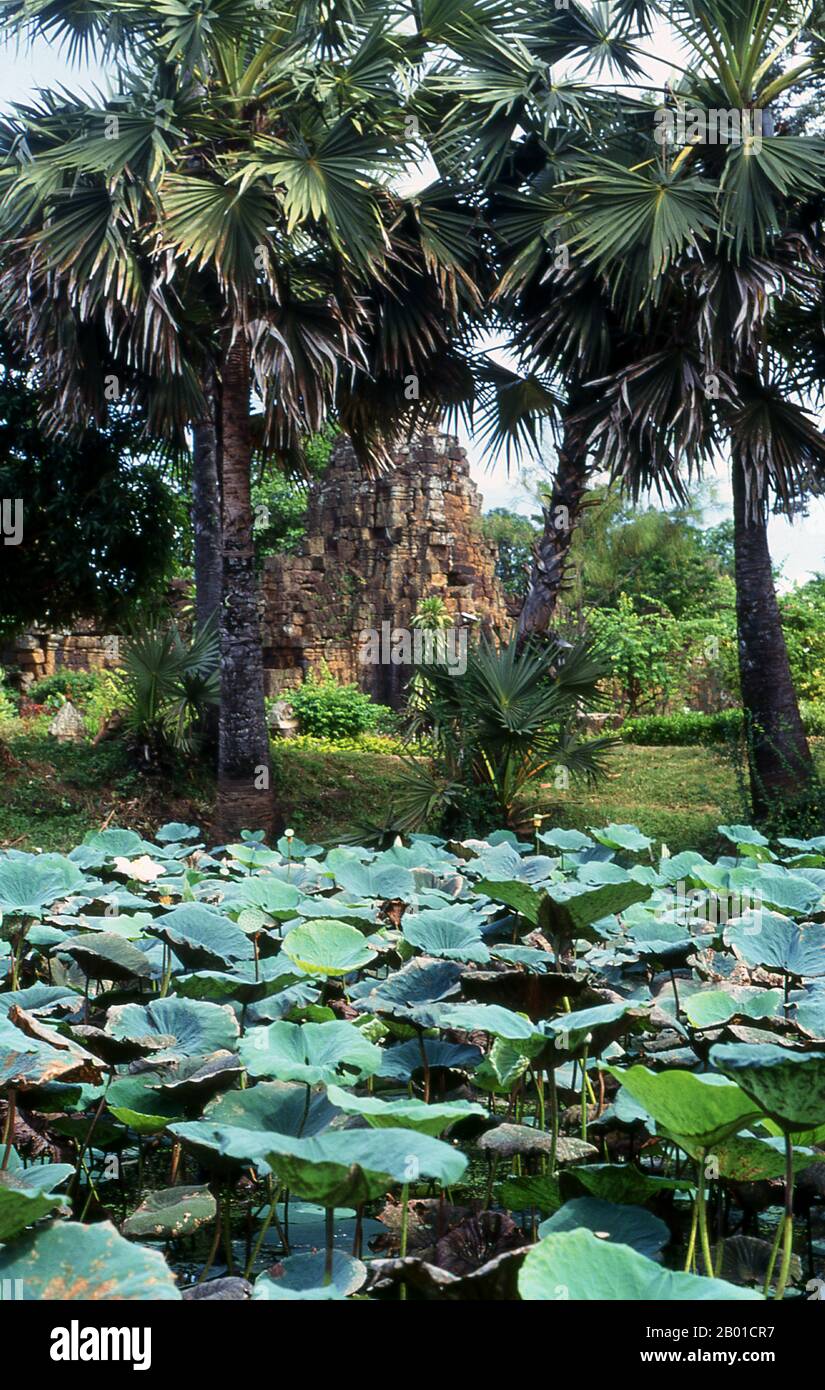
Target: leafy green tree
column 514, row 535
column 657, row 556
column 803, row 622
column 101, row 528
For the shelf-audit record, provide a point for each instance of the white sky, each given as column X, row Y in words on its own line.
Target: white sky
column 799, row 547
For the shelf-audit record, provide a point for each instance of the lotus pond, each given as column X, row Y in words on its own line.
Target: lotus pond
column 572, row 1068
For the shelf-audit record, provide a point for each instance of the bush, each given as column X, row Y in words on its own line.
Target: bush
column 384, row 744
column 8, row 706
column 693, row 727
column 686, row 729
column 77, row 686
column 329, row 710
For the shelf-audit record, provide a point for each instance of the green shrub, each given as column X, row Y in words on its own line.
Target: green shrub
column 693, row 727
column 329, row 710
column 686, row 729
column 8, row 705
column 77, row 686
column 384, row 744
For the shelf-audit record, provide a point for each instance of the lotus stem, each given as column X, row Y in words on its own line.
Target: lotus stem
column 787, row 1236
column 210, row 1259
column 250, row 1264
column 694, row 1224
column 405, row 1228
column 8, row 1132
column 703, row 1216
column 780, row 1226
column 554, row 1119
column 329, row 1224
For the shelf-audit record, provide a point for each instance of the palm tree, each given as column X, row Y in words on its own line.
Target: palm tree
column 243, row 173
column 518, row 116
column 707, row 243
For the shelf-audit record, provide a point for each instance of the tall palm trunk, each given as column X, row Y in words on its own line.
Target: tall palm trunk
column 206, row 510
column 778, row 754
column 245, row 798
column 206, row 529
column 551, row 551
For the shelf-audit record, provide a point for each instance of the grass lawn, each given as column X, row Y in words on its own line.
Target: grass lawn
column 51, row 793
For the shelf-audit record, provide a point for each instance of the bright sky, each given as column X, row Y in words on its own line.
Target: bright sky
column 798, row 548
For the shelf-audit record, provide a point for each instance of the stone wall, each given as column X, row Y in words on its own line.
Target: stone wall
column 374, row 547
column 40, row 652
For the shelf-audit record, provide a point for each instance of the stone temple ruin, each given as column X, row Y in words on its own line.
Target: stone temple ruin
column 373, row 548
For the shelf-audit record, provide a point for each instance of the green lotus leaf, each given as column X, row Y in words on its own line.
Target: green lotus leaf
column 405, row 1061
column 26, row 1061
column 194, row 1079
column 743, row 835
column 515, row 894
column 504, row 1064
column 115, row 843
column 353, row 914
column 779, row 888
column 540, row 1192
column 577, row 1265
column 30, row 882
column 438, row 934
column 601, row 1025
column 713, row 1007
column 38, row 999
column 619, row 1182
column 302, row 1277
column 771, row 940
column 787, row 1086
column 327, row 947
column 26, row 1194
column 348, row 1167
column 297, row 848
column 272, row 895
column 171, row 1212
column 310, row 1052
column 622, row 837
column 574, row 916
column 134, row 1101
column 702, row 1109
column 277, row 1106
column 222, row 1149
column 743, row 1158
column 69, row 1261
column 408, row 1113
column 175, row 832
column 108, row 956
column 197, row 1028
column 202, row 938
column 488, row 1018
column 621, row 1224
column 376, row 880
column 566, row 840
column 420, row 982
column 810, row 1014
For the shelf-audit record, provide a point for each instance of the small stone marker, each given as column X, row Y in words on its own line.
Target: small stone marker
column 67, row 723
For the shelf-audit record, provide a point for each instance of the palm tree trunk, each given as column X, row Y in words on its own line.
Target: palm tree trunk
column 206, row 529
column 778, row 755
column 206, row 511
column 245, row 799
column 551, row 551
